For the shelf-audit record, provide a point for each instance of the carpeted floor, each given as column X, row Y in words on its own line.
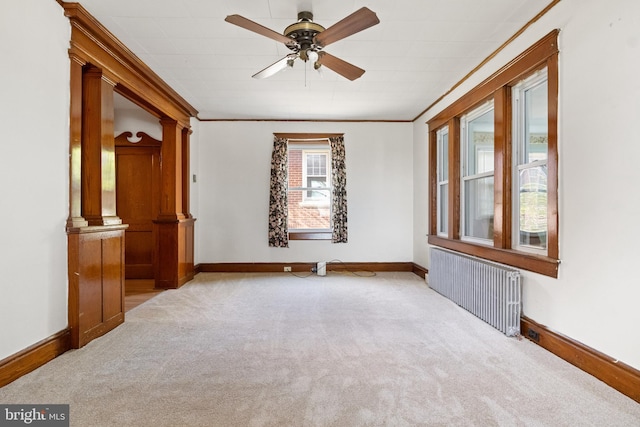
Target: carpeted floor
column 342, row 350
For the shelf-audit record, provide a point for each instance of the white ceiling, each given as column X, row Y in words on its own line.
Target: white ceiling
column 417, row 52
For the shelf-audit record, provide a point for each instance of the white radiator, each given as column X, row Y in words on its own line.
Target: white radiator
column 489, row 290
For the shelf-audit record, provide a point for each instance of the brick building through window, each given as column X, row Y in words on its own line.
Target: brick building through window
column 309, row 175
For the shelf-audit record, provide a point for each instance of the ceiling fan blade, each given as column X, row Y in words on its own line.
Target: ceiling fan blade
column 359, row 20
column 274, row 68
column 341, row 67
column 248, row 24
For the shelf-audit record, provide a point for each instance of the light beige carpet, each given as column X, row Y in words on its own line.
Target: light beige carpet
column 341, row 350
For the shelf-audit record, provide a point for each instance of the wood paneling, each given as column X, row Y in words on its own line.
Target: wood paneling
column 112, row 278
column 622, row 377
column 96, row 282
column 174, row 248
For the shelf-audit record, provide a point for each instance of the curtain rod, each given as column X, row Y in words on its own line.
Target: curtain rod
column 307, row 136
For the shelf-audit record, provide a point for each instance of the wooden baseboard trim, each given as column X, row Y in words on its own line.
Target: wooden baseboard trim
column 616, row 374
column 420, row 271
column 31, row 358
column 299, row 267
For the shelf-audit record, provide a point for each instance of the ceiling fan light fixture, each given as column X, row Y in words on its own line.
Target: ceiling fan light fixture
column 312, row 55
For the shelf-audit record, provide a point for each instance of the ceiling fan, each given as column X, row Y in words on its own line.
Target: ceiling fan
column 306, row 39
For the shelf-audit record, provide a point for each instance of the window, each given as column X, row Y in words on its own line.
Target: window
column 309, row 187
column 477, row 174
column 530, row 149
column 315, row 167
column 497, row 197
column 443, row 180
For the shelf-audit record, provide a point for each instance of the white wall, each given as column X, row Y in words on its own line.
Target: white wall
column 34, row 106
column 128, row 117
column 234, row 161
column 595, row 298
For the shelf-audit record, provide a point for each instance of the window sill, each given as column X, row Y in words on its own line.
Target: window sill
column 526, row 261
column 310, row 235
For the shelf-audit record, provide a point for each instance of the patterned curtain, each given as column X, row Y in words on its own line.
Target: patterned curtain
column 278, row 235
column 339, row 184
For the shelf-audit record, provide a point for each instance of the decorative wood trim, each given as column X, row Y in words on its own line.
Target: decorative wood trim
column 552, row 161
column 123, row 140
column 93, row 42
column 302, row 235
column 454, row 178
column 501, row 178
column 616, row 374
column 278, row 267
column 31, row 358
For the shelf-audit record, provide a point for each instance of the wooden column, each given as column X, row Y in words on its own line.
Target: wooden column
column 186, row 173
column 98, row 149
column 95, row 234
column 171, row 192
column 174, row 228
column 75, row 218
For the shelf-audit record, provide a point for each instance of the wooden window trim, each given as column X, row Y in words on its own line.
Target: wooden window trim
column 310, row 235
column 542, row 54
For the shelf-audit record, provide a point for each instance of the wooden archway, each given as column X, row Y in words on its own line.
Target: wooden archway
column 100, row 66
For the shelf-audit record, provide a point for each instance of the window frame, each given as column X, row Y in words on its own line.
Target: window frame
column 465, row 174
column 519, row 151
column 311, row 140
column 542, row 54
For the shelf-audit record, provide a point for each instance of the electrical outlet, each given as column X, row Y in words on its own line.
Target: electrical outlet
column 287, row 269
column 321, row 269
column 533, row 335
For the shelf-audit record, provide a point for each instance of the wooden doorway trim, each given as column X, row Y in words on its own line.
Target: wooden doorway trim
column 100, row 66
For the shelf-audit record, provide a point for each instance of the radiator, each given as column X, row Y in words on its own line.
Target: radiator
column 488, row 290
